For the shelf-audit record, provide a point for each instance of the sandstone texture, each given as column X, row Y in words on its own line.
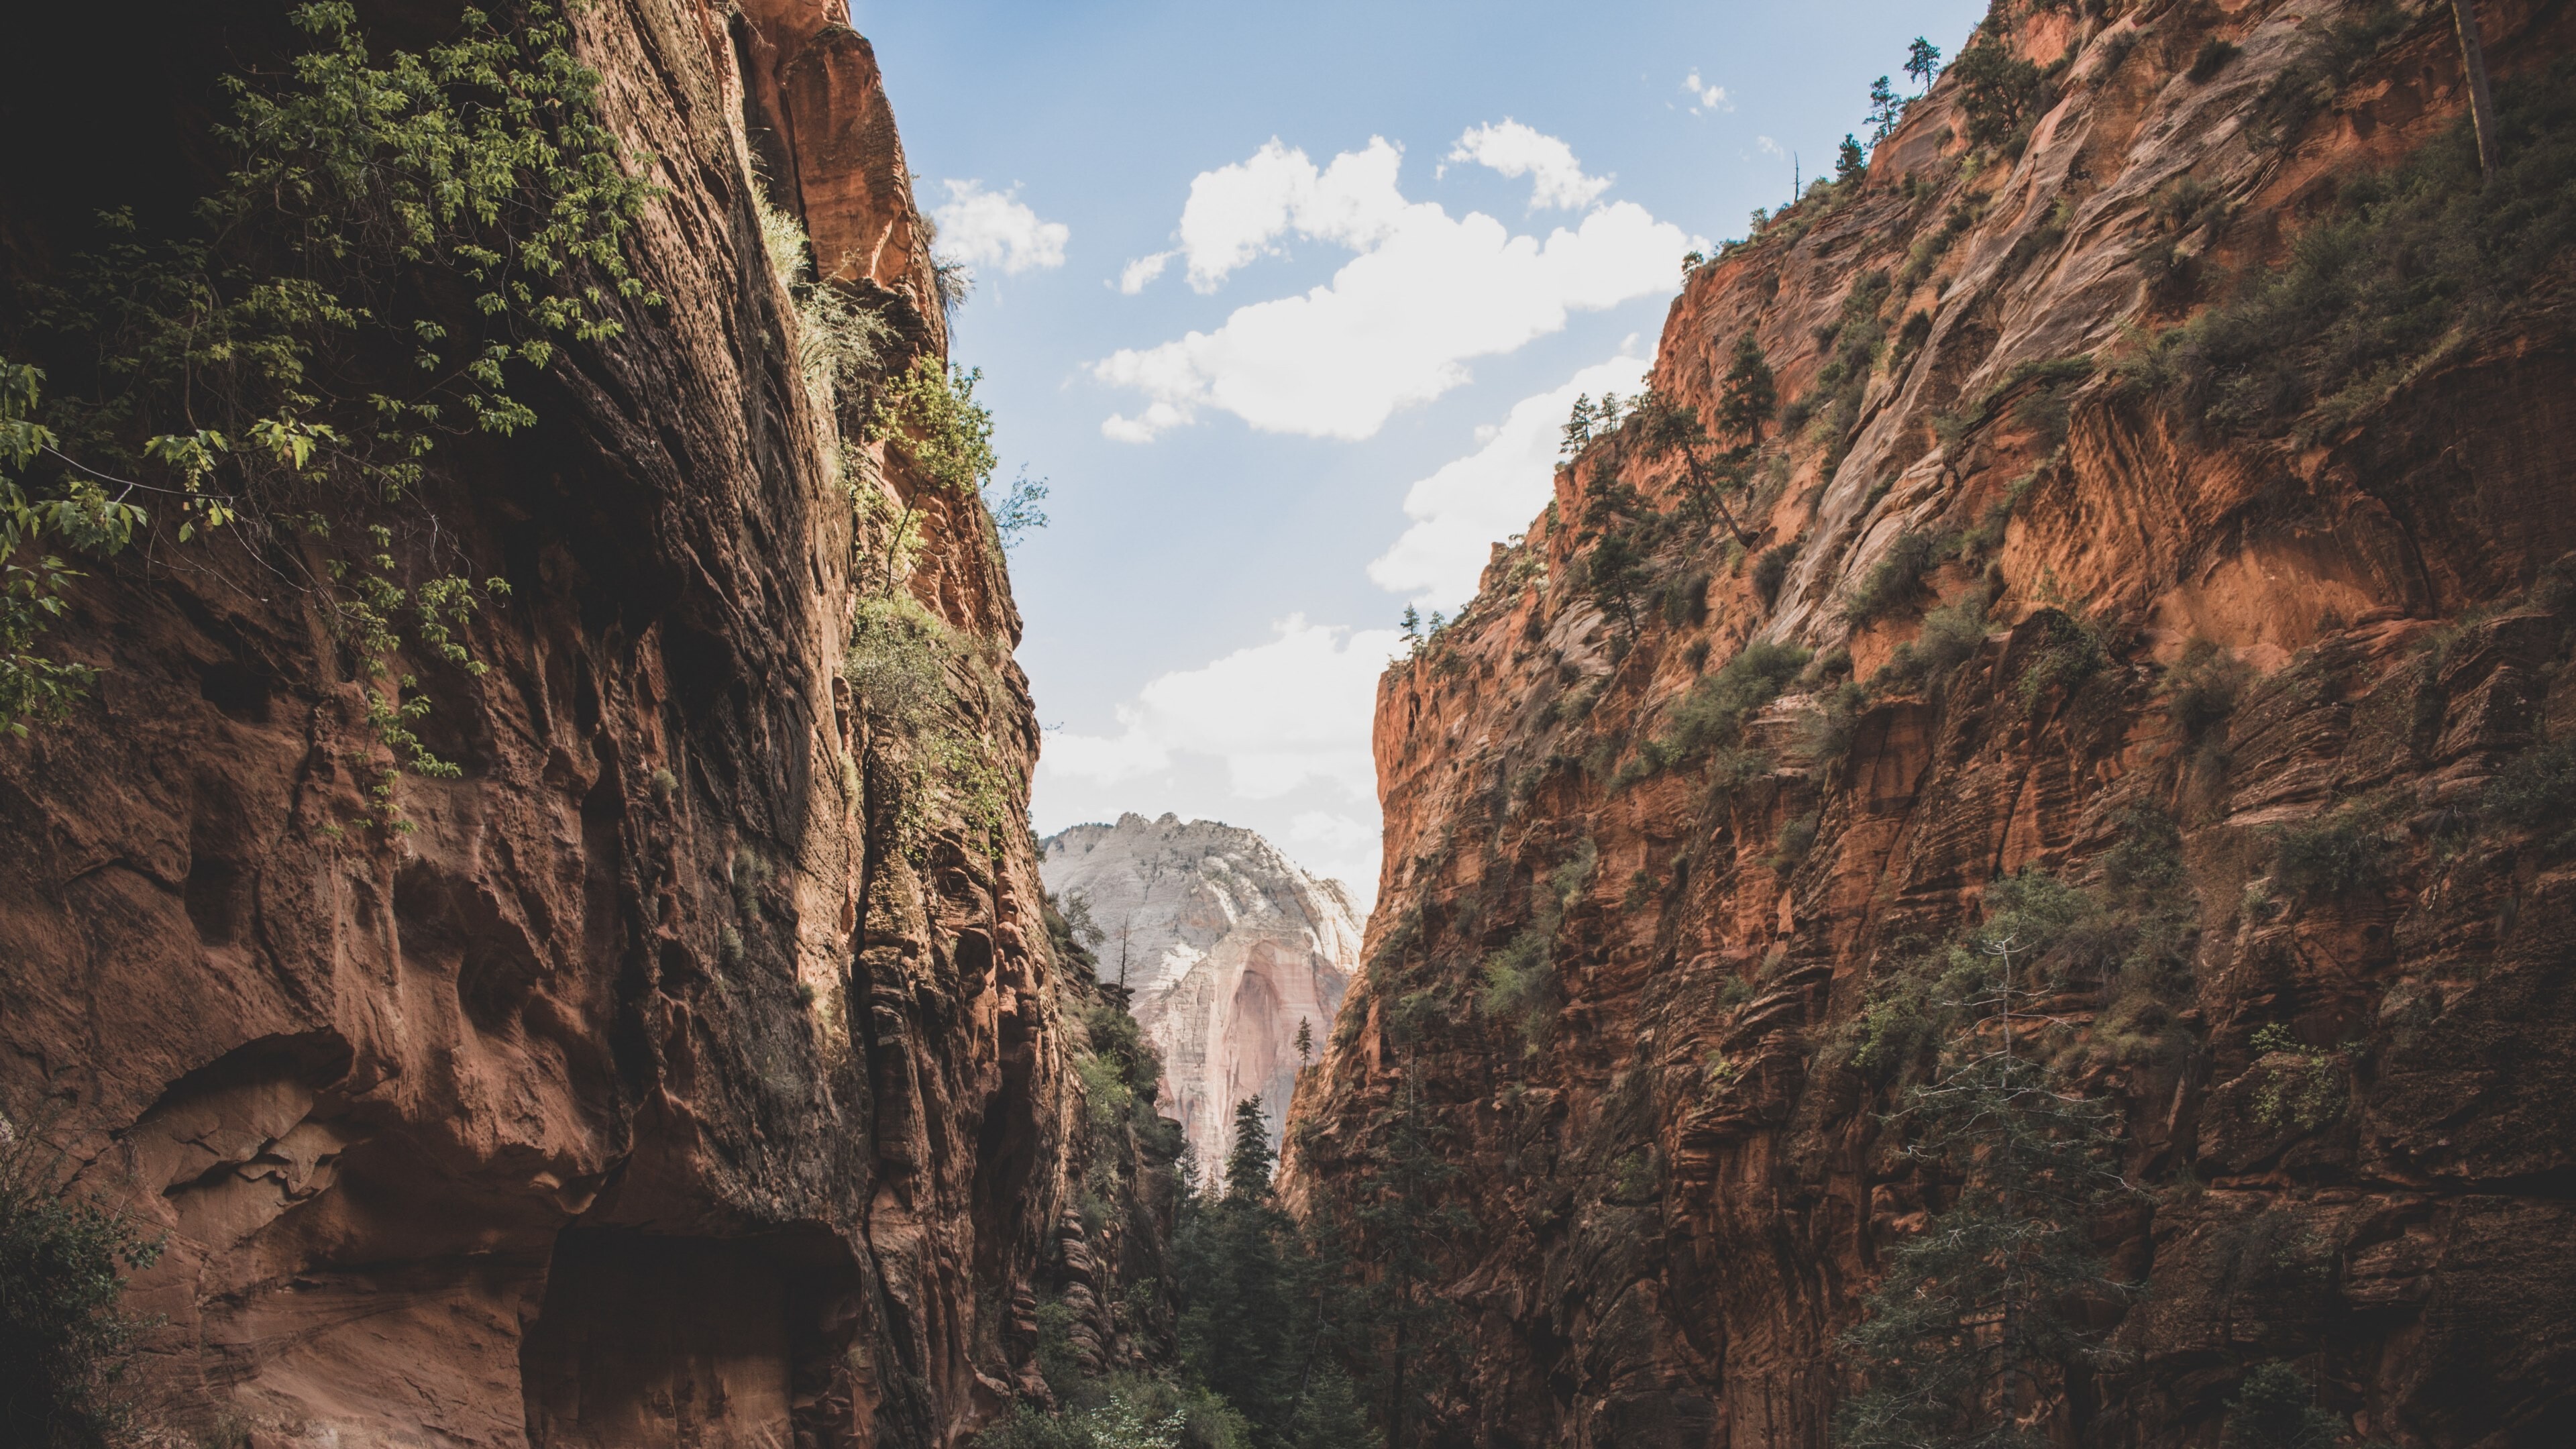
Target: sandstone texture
column 663, row 1086
column 1682, row 1187
column 1228, row 949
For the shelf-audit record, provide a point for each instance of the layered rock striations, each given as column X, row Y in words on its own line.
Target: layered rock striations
column 2327, row 653
column 1229, row 949
column 670, row 1081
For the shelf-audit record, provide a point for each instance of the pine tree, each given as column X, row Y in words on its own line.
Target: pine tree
column 1305, row 1042
column 1749, row 397
column 1232, row 1255
column 1578, row 427
column 1922, row 62
column 1970, row 1335
column 1665, row 426
column 1885, row 110
column 1851, row 163
column 1402, row 1223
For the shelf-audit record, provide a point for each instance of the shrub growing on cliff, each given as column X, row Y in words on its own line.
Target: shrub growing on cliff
column 1712, row 715
column 1896, row 580
column 2408, row 264
column 63, row 1343
column 2275, row 1409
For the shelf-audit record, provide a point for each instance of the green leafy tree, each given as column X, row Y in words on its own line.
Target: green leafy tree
column 397, row 241
column 1972, row 1331
column 63, row 1343
column 1922, row 63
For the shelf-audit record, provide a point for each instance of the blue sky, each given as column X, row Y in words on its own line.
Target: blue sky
column 1470, row 212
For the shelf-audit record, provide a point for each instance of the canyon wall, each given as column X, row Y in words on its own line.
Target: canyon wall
column 1228, row 948
column 2316, row 662
column 686, row 1070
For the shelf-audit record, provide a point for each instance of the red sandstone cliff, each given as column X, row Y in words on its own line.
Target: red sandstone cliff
column 657, row 1089
column 1681, row 1193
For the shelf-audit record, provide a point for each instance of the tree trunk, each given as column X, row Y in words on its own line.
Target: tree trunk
column 2473, row 59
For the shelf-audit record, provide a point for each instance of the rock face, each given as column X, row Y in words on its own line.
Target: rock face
column 1228, row 948
column 667, row 1085
column 1681, row 1182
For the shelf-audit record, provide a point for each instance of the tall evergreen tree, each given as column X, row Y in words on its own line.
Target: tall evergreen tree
column 1922, row 62
column 1749, row 397
column 1851, row 163
column 1884, row 109
column 1970, row 1336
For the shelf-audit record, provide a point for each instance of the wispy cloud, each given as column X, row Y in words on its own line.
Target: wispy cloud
column 1140, row 273
column 1706, row 97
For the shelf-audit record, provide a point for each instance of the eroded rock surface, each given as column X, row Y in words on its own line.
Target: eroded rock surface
column 1229, row 950
column 666, row 1085
column 2355, row 1112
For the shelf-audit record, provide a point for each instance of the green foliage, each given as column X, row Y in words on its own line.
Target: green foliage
column 2069, row 653
column 64, row 1345
column 1922, row 62
column 2302, row 1085
column 238, row 369
column 897, row 663
column 1926, row 253
column 1990, row 1307
column 1896, row 580
column 2408, row 264
column 1951, row 635
column 33, row 687
column 1015, row 511
column 2343, row 852
column 2215, row 55
column 2275, row 1409
column 929, row 413
column 1750, row 395
column 1851, row 163
column 1519, row 981
column 2536, row 791
column 2205, row 685
column 1997, row 92
column 1712, row 715
column 1126, row 1411
column 1771, row 570
column 2309, row 83
column 840, row 345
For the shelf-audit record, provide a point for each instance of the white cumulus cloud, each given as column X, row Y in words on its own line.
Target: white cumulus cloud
column 1236, row 213
column 1516, row 150
column 1706, row 97
column 1280, row 715
column 996, row 228
column 1397, row 324
column 1473, row 502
